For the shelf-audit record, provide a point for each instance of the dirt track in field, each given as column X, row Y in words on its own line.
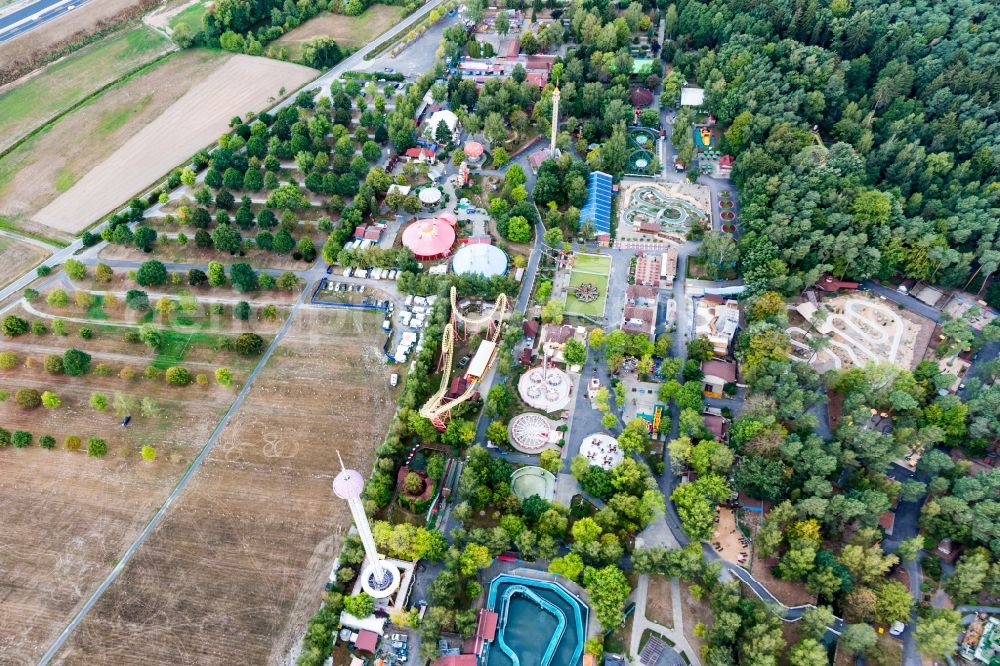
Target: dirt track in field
column 242, row 84
column 238, row 566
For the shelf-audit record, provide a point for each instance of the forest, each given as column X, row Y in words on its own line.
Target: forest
column 866, row 134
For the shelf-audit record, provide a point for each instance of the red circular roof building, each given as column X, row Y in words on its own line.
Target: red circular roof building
column 641, row 96
column 474, row 152
column 429, row 239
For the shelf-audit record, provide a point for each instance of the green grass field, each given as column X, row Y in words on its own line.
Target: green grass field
column 595, row 269
column 68, row 81
column 191, row 17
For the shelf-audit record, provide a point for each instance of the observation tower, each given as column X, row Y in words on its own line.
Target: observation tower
column 377, row 579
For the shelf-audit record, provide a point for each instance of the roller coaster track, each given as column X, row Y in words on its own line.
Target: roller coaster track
column 438, row 406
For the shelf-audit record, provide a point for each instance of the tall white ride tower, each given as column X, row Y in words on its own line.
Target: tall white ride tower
column 555, row 121
column 377, row 579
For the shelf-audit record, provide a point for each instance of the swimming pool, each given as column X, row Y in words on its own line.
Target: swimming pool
column 540, row 623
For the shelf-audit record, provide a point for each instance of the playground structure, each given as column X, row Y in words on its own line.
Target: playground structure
column 532, row 433
column 602, row 450
column 641, row 146
column 858, row 331
column 654, row 209
column 528, row 481
column 448, row 396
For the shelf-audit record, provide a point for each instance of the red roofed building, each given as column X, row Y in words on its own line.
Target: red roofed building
column 829, row 283
column 457, row 660
column 539, row 62
column 373, row 234
column 726, row 164
column 716, row 375
column 359, row 231
column 647, row 270
column 539, row 79
column 419, row 154
column 887, row 521
column 717, row 424
column 530, row 328
column 486, row 630
column 367, row 641
column 513, row 48
column 638, row 319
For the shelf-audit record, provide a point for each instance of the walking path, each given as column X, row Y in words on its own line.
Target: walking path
column 640, row 623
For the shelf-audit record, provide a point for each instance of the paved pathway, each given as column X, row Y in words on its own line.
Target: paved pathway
column 641, row 623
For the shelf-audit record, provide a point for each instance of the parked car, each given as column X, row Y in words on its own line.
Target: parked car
column 897, row 628
column 126, row 421
column 394, row 379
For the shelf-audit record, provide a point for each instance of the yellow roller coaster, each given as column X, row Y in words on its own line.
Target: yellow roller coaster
column 438, row 407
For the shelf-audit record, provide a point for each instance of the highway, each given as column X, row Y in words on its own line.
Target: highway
column 28, row 17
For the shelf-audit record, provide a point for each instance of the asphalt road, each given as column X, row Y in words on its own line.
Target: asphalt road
column 907, row 301
column 29, row 17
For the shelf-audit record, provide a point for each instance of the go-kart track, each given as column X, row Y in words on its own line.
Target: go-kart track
column 649, row 203
column 865, row 332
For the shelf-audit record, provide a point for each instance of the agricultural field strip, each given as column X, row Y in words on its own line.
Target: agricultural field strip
column 174, row 494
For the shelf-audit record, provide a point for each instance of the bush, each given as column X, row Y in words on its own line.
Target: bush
column 8, row 360
column 38, row 328
column 96, row 447
column 71, row 443
column 127, row 373
column 136, row 299
column 57, row 298
column 178, row 376
column 4, row 438
column 132, row 337
column 53, row 364
column 360, row 605
column 27, row 398
column 42, row 271
column 47, row 441
column 249, row 344
column 21, row 439
column 86, row 333
column 75, row 269
column 151, row 273
column 31, row 295
column 76, row 362
column 14, row 326
column 99, row 401
column 50, row 400
column 201, row 379
column 224, row 376
column 148, row 453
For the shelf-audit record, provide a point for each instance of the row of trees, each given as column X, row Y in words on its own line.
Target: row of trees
column 21, row 439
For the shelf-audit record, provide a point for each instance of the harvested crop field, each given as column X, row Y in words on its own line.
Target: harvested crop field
column 149, row 149
column 347, row 31
column 18, row 256
column 33, row 101
column 50, row 162
column 68, row 516
column 237, row 567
